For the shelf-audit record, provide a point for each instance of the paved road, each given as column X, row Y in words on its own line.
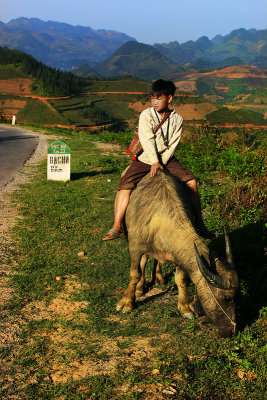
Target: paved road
column 15, row 148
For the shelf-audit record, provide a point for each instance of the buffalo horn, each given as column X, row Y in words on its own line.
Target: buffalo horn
column 229, row 255
column 215, row 280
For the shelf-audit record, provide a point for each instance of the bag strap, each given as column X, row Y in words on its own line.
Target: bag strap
column 166, row 116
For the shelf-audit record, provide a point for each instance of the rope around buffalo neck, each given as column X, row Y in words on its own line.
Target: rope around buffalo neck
column 216, row 301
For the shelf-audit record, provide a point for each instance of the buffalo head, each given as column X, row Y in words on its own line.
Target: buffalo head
column 216, row 292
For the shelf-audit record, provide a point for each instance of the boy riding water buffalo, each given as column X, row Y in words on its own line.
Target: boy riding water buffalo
column 159, row 146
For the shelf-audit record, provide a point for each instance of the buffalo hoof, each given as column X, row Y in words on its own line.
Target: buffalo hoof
column 124, row 305
column 188, row 315
column 139, row 293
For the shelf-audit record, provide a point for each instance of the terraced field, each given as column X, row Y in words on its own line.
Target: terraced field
column 116, row 104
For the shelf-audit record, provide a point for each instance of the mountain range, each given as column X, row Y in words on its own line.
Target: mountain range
column 247, row 45
column 111, row 53
column 60, row 45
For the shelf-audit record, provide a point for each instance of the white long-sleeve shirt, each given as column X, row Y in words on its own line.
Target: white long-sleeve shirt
column 147, row 123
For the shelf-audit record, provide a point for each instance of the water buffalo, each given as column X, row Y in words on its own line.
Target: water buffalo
column 159, row 224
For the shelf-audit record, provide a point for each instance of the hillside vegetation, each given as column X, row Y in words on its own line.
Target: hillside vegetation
column 224, row 116
column 46, row 81
column 222, row 85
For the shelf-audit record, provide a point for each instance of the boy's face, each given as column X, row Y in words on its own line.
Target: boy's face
column 161, row 102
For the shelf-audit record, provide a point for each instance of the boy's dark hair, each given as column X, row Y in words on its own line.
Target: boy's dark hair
column 160, row 87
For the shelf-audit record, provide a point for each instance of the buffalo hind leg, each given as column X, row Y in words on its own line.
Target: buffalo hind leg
column 185, row 307
column 126, row 304
column 140, row 287
column 157, row 277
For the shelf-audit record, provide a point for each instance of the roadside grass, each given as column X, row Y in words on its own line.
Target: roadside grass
column 72, row 342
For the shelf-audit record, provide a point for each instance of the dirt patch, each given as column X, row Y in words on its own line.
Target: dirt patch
column 115, row 92
column 108, row 355
column 195, row 111
column 11, row 107
column 114, row 358
column 17, row 86
column 222, row 89
column 8, row 112
column 107, row 146
column 61, row 306
column 13, row 103
column 231, row 107
column 187, row 86
column 235, row 125
column 237, row 72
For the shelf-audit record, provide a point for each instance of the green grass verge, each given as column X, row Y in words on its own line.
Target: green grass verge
column 73, row 344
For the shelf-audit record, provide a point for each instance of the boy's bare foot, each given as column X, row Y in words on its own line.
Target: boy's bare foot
column 113, row 234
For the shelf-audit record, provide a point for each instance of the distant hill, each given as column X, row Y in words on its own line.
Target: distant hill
column 60, row 45
column 46, row 81
column 247, row 45
column 205, row 65
column 226, row 116
column 231, row 85
column 85, row 70
column 137, row 59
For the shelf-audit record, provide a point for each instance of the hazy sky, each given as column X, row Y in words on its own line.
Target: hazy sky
column 149, row 22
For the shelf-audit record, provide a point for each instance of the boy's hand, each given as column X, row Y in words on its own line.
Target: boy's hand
column 154, row 168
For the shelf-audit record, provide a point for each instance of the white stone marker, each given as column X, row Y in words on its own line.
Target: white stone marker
column 58, row 161
column 14, row 120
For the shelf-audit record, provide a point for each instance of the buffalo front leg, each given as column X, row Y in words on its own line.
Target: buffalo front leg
column 184, row 305
column 126, row 304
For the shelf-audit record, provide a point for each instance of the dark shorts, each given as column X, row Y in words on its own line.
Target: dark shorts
column 137, row 170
